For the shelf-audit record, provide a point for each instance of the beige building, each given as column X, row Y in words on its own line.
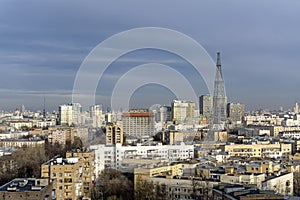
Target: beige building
column 61, row 134
column 259, row 150
column 138, row 122
column 57, row 136
column 220, row 136
column 182, row 110
column 281, row 184
column 65, row 115
column 168, row 171
column 28, row 189
column 174, row 185
column 265, row 166
column 18, row 124
column 244, row 178
column 173, row 137
column 114, row 134
column 88, row 170
column 18, row 143
column 68, row 173
column 235, row 112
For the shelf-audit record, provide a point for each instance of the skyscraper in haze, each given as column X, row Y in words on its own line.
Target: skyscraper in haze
column 96, row 115
column 205, row 106
column 235, row 112
column 69, row 114
column 219, row 99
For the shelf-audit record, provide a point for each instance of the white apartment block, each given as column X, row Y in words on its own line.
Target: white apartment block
column 65, row 115
column 112, row 156
column 70, row 114
column 48, row 123
column 96, row 115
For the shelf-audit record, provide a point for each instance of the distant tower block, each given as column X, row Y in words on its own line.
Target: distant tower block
column 219, row 100
column 296, row 108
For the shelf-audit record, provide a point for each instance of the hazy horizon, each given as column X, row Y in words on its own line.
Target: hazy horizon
column 41, row 51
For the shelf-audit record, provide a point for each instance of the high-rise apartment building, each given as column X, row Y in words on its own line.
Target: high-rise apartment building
column 65, row 115
column 296, row 108
column 68, row 173
column 77, row 113
column 182, row 110
column 88, row 173
column 205, row 106
column 96, row 115
column 235, row 111
column 114, row 134
column 138, row 122
column 74, row 175
column 70, row 114
column 165, row 114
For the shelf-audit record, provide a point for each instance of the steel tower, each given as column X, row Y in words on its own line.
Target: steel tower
column 219, row 99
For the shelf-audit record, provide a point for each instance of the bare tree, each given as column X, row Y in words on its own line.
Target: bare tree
column 112, row 185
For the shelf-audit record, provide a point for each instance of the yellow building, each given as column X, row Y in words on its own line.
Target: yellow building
column 174, row 188
column 88, row 175
column 244, row 178
column 167, row 171
column 182, row 110
column 260, row 150
column 265, row 166
column 173, row 137
column 220, row 136
column 68, row 173
column 69, row 132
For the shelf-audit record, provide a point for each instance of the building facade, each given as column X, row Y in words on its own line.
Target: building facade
column 88, row 170
column 69, row 114
column 114, row 134
column 235, row 112
column 138, row 122
column 205, row 107
column 96, row 115
column 181, row 110
column 68, row 173
column 165, row 114
column 112, row 156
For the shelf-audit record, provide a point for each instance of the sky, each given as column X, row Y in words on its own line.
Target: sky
column 43, row 44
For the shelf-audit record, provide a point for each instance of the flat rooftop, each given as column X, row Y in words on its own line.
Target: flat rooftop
column 24, row 185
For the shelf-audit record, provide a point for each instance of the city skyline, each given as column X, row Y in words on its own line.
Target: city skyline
column 41, row 54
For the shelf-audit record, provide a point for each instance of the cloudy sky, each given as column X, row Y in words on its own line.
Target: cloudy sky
column 43, row 43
